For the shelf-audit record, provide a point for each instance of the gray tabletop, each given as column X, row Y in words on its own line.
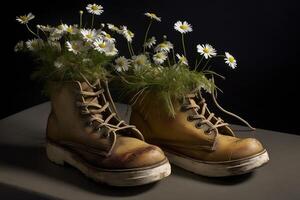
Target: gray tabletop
column 25, row 172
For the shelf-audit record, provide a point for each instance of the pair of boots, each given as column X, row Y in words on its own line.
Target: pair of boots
column 85, row 131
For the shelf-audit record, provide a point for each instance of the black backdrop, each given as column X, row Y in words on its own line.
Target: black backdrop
column 262, row 34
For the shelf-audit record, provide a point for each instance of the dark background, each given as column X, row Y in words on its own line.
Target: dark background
column 262, row 35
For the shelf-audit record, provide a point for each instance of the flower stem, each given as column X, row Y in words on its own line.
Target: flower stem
column 206, row 64
column 129, row 49
column 146, row 34
column 174, row 58
column 93, row 16
column 183, row 44
column 132, row 51
column 32, row 31
column 168, row 60
column 199, row 63
column 80, row 19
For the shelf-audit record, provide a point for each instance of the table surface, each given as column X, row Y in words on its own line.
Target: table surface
column 26, row 173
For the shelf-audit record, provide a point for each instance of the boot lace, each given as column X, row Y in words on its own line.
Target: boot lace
column 202, row 116
column 96, row 113
column 208, row 119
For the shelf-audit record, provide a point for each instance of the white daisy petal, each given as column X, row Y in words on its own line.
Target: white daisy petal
column 182, row 59
column 34, row 44
column 74, row 46
column 127, row 33
column 230, row 60
column 150, row 42
column 153, row 16
column 140, row 61
column 95, row 9
column 183, row 27
column 160, row 57
column 206, row 50
column 165, row 46
column 122, row 64
column 88, row 34
column 24, row 19
column 58, row 64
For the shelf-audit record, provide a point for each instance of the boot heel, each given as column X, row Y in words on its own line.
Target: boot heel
column 55, row 154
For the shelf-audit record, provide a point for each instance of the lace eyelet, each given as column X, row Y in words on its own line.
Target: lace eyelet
column 198, row 125
column 89, row 123
column 105, row 134
column 209, row 132
column 189, row 118
column 183, row 109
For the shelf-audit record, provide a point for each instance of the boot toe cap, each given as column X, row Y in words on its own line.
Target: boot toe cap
column 247, row 147
column 144, row 157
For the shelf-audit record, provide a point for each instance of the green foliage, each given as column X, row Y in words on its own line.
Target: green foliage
column 167, row 82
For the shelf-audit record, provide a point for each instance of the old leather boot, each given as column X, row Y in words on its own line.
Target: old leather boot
column 84, row 131
column 195, row 139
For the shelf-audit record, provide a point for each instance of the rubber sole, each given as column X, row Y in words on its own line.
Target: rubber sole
column 218, row 169
column 119, row 177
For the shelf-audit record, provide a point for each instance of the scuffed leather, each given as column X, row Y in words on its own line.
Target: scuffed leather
column 179, row 135
column 68, row 128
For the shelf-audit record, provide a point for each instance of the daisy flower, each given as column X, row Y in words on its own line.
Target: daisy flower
column 153, row 16
column 19, row 46
column 46, row 28
column 24, row 19
column 100, row 45
column 56, row 34
column 111, row 50
column 88, row 34
column 58, row 64
column 127, row 33
column 150, row 42
column 107, row 36
column 34, row 44
column 165, row 46
column 182, row 59
column 105, row 47
column 159, row 57
column 206, row 50
column 183, row 27
column 55, row 45
column 230, row 60
column 140, row 61
column 95, row 9
column 113, row 28
column 74, row 46
column 122, row 64
column 69, row 29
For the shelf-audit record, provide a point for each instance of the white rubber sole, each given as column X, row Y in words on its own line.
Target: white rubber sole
column 219, row 169
column 122, row 177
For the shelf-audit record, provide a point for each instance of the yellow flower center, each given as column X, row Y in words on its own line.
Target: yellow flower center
column 24, row 18
column 90, row 36
column 163, row 45
column 231, row 59
column 206, row 50
column 70, row 29
column 121, row 63
column 94, row 7
column 184, row 27
column 102, row 45
column 130, row 33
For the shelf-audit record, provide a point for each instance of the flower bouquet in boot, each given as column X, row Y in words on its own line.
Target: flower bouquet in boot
column 168, row 106
column 84, row 129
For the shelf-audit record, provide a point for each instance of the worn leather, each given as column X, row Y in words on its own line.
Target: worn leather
column 180, row 135
column 69, row 128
